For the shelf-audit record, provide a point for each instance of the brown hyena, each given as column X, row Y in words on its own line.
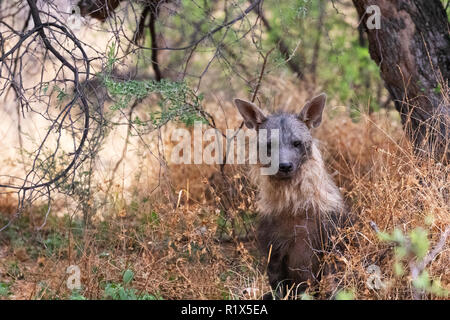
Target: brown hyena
column 300, row 205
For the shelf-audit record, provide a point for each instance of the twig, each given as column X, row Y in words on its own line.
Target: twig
column 152, row 28
column 261, row 74
column 418, row 267
column 282, row 47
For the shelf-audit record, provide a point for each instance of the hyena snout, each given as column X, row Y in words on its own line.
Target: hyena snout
column 286, row 167
column 286, row 170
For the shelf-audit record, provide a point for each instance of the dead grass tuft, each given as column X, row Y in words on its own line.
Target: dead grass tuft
column 193, row 237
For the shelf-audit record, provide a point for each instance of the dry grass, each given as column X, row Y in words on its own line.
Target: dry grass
column 385, row 184
column 192, row 238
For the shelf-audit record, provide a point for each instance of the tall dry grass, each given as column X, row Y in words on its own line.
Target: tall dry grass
column 193, row 236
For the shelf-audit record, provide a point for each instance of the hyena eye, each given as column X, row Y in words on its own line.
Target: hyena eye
column 297, row 143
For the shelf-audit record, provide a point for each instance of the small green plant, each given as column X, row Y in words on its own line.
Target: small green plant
column 53, row 243
column 413, row 250
column 111, row 56
column 45, row 292
column 305, row 296
column 345, row 295
column 152, row 218
column 178, row 102
column 4, row 289
column 122, row 291
column 14, row 271
column 76, row 295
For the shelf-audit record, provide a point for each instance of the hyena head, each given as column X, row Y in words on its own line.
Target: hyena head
column 295, row 140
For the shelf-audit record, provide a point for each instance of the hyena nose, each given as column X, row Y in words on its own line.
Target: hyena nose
column 286, row 167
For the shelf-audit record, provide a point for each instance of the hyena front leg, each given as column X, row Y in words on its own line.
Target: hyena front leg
column 277, row 271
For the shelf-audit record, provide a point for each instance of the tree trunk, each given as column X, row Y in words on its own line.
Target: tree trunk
column 316, row 50
column 412, row 49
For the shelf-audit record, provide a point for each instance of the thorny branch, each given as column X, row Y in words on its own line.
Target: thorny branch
column 46, row 41
column 42, row 186
column 417, row 267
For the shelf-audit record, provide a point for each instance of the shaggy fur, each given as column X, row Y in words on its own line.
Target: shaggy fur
column 297, row 219
column 311, row 189
column 300, row 207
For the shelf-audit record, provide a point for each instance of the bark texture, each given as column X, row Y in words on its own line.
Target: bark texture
column 412, row 49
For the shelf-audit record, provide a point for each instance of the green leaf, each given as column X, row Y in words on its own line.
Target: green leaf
column 419, row 242
column 4, row 289
column 400, row 252
column 305, row 296
column 438, row 89
column 45, row 88
column 437, row 289
column 384, row 236
column 422, row 281
column 345, row 295
column 397, row 236
column 122, row 294
column 110, row 290
column 429, row 219
column 61, row 93
column 398, row 269
column 128, row 276
column 76, row 295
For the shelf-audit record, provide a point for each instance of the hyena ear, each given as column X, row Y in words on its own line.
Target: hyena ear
column 311, row 113
column 253, row 116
